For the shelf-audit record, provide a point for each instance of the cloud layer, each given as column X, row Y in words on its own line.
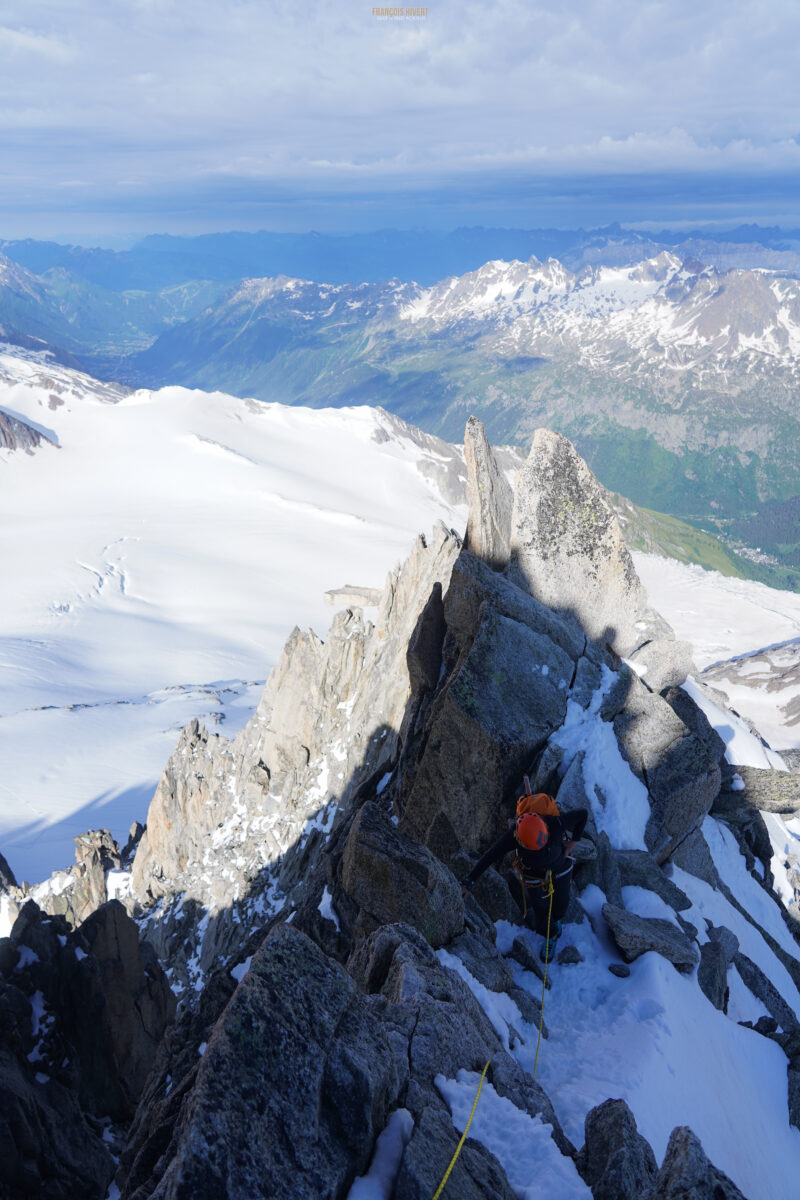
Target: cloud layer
column 117, row 104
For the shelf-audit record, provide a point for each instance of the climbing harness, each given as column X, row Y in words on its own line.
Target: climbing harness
column 550, row 893
column 453, row 1160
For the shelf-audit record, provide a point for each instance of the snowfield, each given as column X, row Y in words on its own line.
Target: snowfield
column 155, row 562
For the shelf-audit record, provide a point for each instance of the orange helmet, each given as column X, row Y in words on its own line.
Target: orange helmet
column 532, row 831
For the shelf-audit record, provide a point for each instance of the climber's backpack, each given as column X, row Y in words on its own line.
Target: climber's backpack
column 539, row 803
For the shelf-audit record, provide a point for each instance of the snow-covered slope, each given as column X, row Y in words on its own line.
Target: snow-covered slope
column 745, row 637
column 154, row 560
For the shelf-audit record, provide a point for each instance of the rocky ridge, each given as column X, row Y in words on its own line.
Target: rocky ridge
column 299, row 883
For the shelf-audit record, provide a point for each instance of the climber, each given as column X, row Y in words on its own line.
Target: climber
column 543, row 839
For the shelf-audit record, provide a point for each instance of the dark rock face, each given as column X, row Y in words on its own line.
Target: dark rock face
column 616, row 1161
column 794, row 1093
column 83, row 1012
column 477, row 742
column 295, row 1037
column 391, row 879
column 636, row 935
column 126, row 992
column 308, row 1061
column 686, row 1172
column 424, row 657
column 49, row 1150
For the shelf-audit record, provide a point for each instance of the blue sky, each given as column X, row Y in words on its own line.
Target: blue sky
column 132, row 116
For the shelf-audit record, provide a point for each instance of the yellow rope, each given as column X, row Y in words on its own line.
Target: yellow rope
column 454, row 1159
column 440, row 1188
column 544, row 981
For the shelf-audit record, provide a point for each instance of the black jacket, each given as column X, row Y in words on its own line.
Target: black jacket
column 568, row 826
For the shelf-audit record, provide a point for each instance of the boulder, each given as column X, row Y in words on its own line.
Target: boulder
column 483, row 961
column 681, row 775
column 568, row 552
column 747, row 825
column 712, row 974
column 763, row 988
column 616, row 1161
column 693, row 856
column 491, row 892
column 522, row 953
column 636, row 935
column 726, row 938
column 771, row 791
column 687, row 1172
column 638, row 868
column 663, row 663
column 392, row 878
column 695, row 721
column 569, row 956
column 476, row 1174
column 490, row 500
column 603, row 871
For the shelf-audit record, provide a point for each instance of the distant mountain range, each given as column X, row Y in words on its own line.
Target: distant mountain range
column 677, row 382
column 676, row 379
column 424, row 256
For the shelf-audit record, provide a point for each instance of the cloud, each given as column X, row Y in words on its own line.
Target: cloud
column 275, row 91
column 23, row 43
